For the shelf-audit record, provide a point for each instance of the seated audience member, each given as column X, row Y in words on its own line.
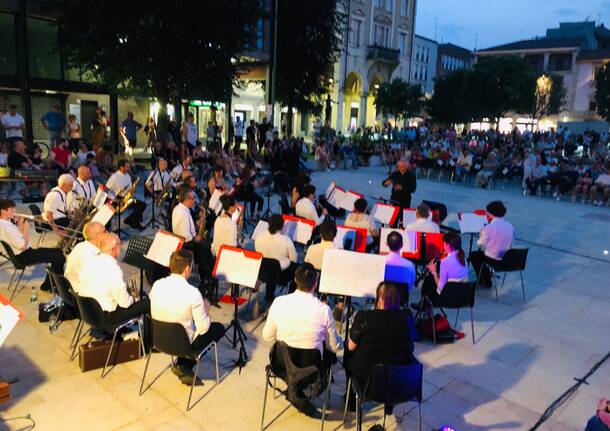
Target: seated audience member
column 315, row 252
column 306, row 325
column 360, row 219
column 399, row 270
column 583, row 184
column 422, row 222
column 273, row 244
column 17, row 236
column 601, row 186
column 379, row 336
column 225, row 229
column 305, row 207
column 453, row 267
column 82, row 252
column 174, row 300
column 101, row 278
column 535, row 177
column 490, row 165
column 601, row 420
column 60, row 156
column 495, row 239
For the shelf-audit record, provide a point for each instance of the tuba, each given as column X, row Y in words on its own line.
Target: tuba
column 78, row 217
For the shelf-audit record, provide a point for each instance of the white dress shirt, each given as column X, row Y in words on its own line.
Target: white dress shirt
column 174, row 300
column 306, row 209
column 496, row 238
column 119, row 182
column 315, row 253
column 364, row 221
column 225, row 233
column 451, row 270
column 302, row 321
column 276, row 246
column 399, row 270
column 56, row 202
column 158, row 179
column 10, row 233
column 182, row 222
column 84, row 189
column 76, row 260
column 101, row 278
column 423, row 225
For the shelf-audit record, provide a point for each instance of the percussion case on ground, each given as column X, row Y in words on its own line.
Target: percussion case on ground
column 92, row 355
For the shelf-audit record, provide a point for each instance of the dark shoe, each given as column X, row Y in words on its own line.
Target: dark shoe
column 180, row 371
column 388, row 409
column 307, row 408
column 351, row 404
column 188, row 380
column 136, row 225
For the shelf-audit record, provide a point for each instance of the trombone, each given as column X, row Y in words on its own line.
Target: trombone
column 45, row 225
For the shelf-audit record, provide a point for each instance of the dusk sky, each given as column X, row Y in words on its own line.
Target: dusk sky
column 498, row 22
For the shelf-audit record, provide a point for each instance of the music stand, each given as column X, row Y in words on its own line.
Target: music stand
column 151, row 222
column 135, row 256
column 267, row 213
column 238, row 332
column 119, row 231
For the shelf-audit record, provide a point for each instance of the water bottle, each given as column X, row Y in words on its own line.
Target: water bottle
column 33, row 296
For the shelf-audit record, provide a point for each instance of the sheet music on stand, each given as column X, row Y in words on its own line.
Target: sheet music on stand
column 261, row 227
column 298, row 229
column 104, row 214
column 385, row 213
column 238, row 266
column 163, row 246
column 408, row 216
column 9, row 317
column 471, row 223
column 409, row 240
column 349, row 273
column 347, row 203
column 136, row 252
column 100, row 196
column 215, row 204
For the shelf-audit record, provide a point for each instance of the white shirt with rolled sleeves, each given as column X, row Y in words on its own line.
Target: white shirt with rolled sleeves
column 174, row 300
column 101, row 278
column 182, row 223
column 315, row 253
column 303, row 322
column 56, row 202
column 423, row 225
column 276, row 246
column 76, row 260
column 225, row 232
column 119, row 182
column 451, row 270
column 496, row 238
column 84, row 189
column 10, row 234
column 306, row 209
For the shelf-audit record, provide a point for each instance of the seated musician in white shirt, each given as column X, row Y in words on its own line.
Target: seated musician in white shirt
column 119, row 183
column 82, row 252
column 57, row 203
column 17, row 236
column 84, row 188
column 158, row 179
column 494, row 240
column 360, row 219
column 306, row 324
column 272, row 244
column 185, row 165
column 305, row 207
column 315, row 252
column 184, row 226
column 225, row 229
column 423, row 222
column 174, row 300
column 101, row 278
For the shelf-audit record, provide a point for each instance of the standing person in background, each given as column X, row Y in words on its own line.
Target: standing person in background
column 251, row 131
column 210, row 133
column 403, row 182
column 98, row 129
column 239, row 131
column 54, row 122
column 189, row 130
column 129, row 132
column 13, row 125
column 151, row 133
column 74, row 133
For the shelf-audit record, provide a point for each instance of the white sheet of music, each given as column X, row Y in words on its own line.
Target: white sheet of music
column 298, row 231
column 472, row 223
column 238, row 266
column 261, row 227
column 383, row 213
column 215, row 204
column 409, row 240
column 337, row 197
column 351, row 273
column 100, row 197
column 329, row 191
column 347, row 203
column 9, row 317
column 344, row 233
column 104, row 214
column 408, row 216
column 163, row 246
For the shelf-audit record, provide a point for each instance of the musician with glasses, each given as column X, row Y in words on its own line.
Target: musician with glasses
column 83, row 251
column 17, row 236
column 120, row 183
column 57, row 203
column 184, row 226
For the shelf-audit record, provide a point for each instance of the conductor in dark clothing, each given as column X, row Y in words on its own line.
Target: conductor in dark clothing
column 380, row 336
column 403, row 183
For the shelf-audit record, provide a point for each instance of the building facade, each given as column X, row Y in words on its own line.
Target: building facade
column 451, row 57
column 423, row 69
column 574, row 52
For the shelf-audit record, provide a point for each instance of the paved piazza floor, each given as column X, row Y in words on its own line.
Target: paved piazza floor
column 526, row 354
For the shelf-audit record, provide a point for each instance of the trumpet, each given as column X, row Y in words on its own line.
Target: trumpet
column 42, row 223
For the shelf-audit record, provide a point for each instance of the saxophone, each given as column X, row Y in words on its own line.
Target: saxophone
column 129, row 197
column 163, row 194
column 204, row 211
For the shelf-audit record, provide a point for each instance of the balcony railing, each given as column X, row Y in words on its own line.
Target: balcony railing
column 382, row 53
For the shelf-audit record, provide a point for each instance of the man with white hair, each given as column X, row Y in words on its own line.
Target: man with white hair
column 403, row 182
column 83, row 252
column 56, row 203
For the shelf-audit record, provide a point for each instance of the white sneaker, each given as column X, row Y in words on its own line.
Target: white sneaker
column 555, row 194
column 558, row 198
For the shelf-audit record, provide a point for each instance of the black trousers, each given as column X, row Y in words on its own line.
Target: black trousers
column 286, row 276
column 255, row 200
column 138, row 208
column 214, row 333
column 303, row 358
column 121, row 314
column 203, row 257
column 54, row 256
column 477, row 258
column 429, row 289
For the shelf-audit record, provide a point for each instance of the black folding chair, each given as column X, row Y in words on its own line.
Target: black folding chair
column 63, row 289
column 92, row 314
column 17, row 265
column 282, row 366
column 514, row 260
column 389, row 385
column 38, row 226
column 172, row 339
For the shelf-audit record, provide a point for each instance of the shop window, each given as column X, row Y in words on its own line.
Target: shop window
column 44, row 59
column 8, row 49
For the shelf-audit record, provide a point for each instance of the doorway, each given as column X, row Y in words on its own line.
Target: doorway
column 87, row 113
